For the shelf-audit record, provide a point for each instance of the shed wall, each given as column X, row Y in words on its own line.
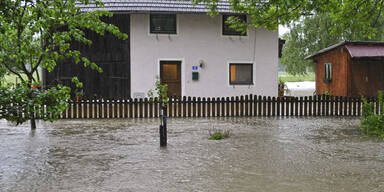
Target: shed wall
column 366, row 77
column 338, row 86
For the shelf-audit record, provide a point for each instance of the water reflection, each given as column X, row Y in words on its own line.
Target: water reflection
column 262, row 154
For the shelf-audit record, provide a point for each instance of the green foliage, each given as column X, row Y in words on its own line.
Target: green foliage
column 371, row 123
column 312, row 34
column 21, row 103
column 360, row 16
column 161, row 90
column 37, row 34
column 217, row 134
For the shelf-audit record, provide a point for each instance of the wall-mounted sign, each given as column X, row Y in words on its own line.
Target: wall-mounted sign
column 195, row 67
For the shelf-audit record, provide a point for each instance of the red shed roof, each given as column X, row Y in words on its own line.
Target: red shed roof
column 356, row 49
column 365, row 51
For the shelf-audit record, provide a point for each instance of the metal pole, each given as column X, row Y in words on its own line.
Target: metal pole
column 163, row 128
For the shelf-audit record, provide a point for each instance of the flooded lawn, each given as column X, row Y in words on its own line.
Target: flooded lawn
column 262, row 154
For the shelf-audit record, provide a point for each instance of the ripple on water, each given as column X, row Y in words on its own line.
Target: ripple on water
column 262, row 154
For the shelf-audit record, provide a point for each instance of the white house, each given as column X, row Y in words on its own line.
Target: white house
column 195, row 54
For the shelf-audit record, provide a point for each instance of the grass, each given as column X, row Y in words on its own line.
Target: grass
column 284, row 76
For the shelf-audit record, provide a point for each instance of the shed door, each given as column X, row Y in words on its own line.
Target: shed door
column 170, row 74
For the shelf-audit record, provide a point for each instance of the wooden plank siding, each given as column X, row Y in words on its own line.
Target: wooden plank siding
column 109, row 53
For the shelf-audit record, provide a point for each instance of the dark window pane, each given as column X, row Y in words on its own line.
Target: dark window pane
column 227, row 30
column 241, row 74
column 163, row 23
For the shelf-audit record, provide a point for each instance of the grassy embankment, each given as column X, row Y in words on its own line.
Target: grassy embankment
column 285, row 77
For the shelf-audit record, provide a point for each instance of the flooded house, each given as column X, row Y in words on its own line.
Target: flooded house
column 350, row 68
column 193, row 53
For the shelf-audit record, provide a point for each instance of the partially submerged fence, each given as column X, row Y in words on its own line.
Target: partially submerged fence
column 249, row 105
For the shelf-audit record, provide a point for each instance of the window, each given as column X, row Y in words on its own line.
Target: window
column 163, row 23
column 240, row 74
column 227, row 30
column 327, row 72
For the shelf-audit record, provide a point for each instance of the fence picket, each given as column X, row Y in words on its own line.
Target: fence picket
column 208, row 107
column 194, row 107
column 198, row 107
column 204, row 102
column 184, row 106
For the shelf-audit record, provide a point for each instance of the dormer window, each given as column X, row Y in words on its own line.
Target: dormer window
column 228, row 30
column 163, row 23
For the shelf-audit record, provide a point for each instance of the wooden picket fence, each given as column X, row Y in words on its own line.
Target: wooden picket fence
column 248, row 105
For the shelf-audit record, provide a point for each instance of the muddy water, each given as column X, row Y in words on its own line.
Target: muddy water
column 262, row 154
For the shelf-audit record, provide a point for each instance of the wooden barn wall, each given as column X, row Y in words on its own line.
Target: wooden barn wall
column 367, row 77
column 338, row 86
column 108, row 52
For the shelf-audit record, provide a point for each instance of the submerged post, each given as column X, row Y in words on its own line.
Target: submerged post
column 163, row 127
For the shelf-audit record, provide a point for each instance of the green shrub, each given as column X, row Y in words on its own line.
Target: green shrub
column 372, row 124
column 217, row 134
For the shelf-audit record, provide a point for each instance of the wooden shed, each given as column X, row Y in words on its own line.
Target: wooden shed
column 350, row 68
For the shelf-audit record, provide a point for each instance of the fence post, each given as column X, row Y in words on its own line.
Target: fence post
column 198, row 107
column 227, row 106
column 273, row 106
column 269, row 106
column 241, row 106
column 213, row 107
column 301, row 106
column 208, row 106
column 232, row 106
column 255, row 105
column 282, row 103
column 156, row 107
column 278, row 103
column 296, row 106
column 218, row 107
column 331, row 107
column 194, row 107
column 305, row 106
column 170, row 107
column 204, row 106
column 359, row 106
column 246, row 105
column 222, row 106
column 184, row 106
column 179, row 104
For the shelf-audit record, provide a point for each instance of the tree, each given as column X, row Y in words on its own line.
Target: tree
column 37, row 34
column 352, row 15
column 312, row 34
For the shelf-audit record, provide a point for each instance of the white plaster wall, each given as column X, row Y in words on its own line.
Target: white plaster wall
column 199, row 37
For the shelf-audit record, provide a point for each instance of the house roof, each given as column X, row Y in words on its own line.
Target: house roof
column 145, row 6
column 356, row 49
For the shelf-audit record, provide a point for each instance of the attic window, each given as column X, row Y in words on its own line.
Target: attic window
column 227, row 30
column 163, row 23
column 327, row 72
column 240, row 74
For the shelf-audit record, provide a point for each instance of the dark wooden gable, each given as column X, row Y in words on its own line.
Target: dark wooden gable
column 109, row 53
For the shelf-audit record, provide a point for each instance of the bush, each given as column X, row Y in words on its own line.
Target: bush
column 217, row 134
column 373, row 124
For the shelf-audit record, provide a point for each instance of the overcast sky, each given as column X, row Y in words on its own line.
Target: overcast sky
column 282, row 30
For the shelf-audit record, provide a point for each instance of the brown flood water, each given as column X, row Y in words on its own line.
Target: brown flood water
column 262, row 154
